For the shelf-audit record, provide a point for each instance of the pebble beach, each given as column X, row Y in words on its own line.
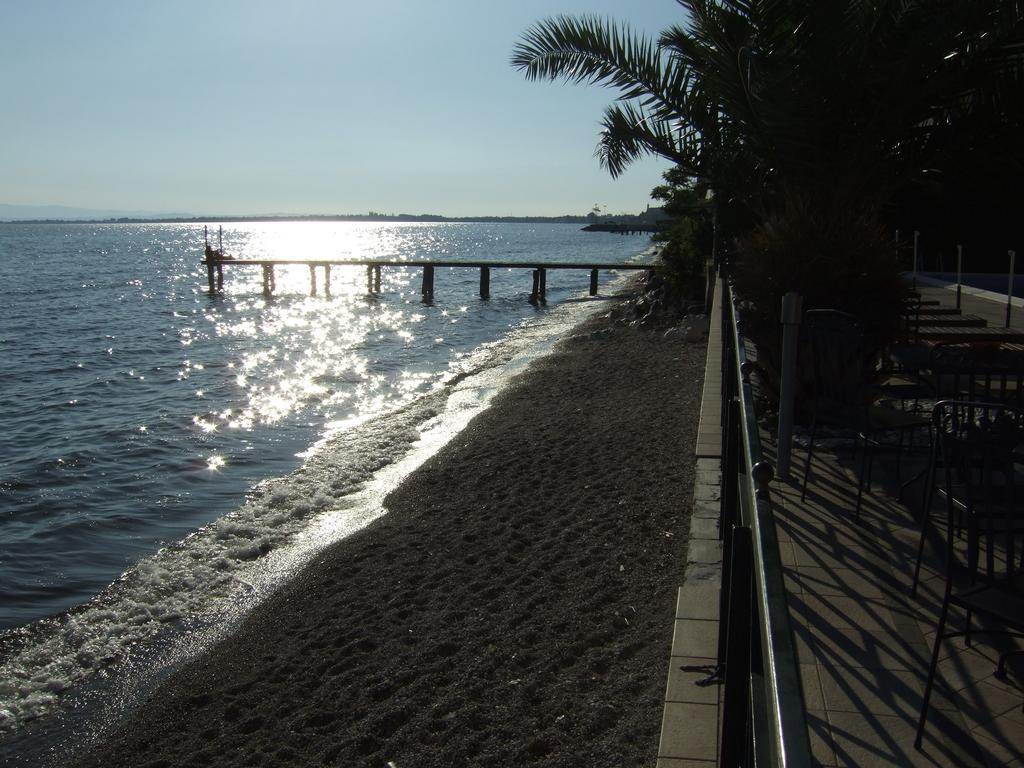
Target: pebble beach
column 514, row 605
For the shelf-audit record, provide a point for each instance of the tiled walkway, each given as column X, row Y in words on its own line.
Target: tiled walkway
column 689, row 729
column 863, row 643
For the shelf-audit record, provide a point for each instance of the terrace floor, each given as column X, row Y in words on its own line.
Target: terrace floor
column 863, row 643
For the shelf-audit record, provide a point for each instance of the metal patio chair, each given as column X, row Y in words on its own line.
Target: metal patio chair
column 980, row 445
column 844, row 398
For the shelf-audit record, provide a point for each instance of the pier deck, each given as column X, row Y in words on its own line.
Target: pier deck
column 215, row 261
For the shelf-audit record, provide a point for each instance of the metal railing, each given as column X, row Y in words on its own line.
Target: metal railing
column 763, row 715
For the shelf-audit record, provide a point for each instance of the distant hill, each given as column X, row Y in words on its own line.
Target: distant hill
column 70, row 213
column 58, row 213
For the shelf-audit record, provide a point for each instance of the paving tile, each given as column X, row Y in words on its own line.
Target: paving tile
column 698, row 600
column 787, row 556
column 703, row 528
column 683, row 683
column 1003, row 739
column 839, row 581
column 710, row 509
column 694, row 637
column 811, row 686
column 962, row 668
column 803, row 641
column 984, row 703
column 689, row 731
column 708, row 476
column 699, row 573
column 707, row 493
column 791, row 581
column 880, row 691
column 708, row 447
column 674, row 762
column 910, row 614
column 704, row 551
column 842, row 647
column 843, row 611
column 821, row 555
column 709, row 465
column 819, row 734
column 887, row 740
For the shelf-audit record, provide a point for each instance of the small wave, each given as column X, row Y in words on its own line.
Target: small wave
column 212, row 576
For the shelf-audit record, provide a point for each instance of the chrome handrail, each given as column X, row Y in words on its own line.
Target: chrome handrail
column 764, row 718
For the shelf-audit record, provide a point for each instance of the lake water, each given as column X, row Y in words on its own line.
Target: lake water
column 168, row 454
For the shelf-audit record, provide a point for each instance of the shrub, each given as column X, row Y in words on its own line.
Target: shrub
column 834, row 256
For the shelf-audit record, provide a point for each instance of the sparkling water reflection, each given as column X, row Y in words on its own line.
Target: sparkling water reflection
column 138, row 409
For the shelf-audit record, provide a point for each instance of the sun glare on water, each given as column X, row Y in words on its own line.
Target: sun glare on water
column 293, row 351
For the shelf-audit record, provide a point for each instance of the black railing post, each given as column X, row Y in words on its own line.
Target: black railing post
column 736, row 696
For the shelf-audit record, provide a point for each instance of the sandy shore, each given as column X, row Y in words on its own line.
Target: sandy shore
column 514, row 607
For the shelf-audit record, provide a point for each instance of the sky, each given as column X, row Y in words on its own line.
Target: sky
column 233, row 107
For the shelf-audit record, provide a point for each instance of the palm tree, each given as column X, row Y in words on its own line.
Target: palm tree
column 804, row 116
column 654, row 114
column 761, row 97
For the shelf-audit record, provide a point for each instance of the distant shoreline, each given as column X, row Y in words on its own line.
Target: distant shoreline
column 400, row 217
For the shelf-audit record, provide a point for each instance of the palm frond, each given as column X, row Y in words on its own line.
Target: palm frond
column 628, row 133
column 601, row 52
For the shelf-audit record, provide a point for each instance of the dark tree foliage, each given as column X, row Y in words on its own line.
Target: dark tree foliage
column 820, row 127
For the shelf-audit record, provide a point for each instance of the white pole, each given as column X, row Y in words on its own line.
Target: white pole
column 959, row 271
column 914, row 280
column 1009, row 288
column 792, row 306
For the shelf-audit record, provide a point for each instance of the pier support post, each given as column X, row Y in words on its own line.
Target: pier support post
column 210, row 272
column 376, row 278
column 485, row 282
column 593, row 282
column 428, row 282
column 327, row 279
column 312, row 280
column 543, row 280
column 220, row 276
column 535, row 290
column 369, row 279
column 268, row 279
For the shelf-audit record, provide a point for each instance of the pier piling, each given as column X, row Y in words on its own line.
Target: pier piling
column 428, row 282
column 268, row 279
column 485, row 282
column 373, row 278
column 216, row 261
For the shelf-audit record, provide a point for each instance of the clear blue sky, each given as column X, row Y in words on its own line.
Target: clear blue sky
column 305, row 106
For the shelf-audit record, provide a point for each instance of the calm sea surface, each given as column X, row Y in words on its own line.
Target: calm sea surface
column 141, row 414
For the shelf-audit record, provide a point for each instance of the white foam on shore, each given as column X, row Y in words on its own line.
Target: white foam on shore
column 196, row 590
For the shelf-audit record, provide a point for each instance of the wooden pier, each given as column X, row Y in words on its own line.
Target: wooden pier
column 216, row 261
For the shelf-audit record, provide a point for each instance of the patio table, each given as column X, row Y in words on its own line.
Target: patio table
column 968, row 334
column 947, row 321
